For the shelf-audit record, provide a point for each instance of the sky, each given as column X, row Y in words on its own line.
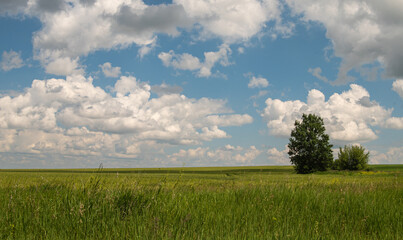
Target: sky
column 132, row 83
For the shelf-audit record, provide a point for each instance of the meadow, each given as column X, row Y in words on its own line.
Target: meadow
column 201, row 203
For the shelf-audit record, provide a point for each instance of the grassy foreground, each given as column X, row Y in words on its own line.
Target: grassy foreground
column 201, row 203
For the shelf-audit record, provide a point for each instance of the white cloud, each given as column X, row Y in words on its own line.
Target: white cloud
column 393, row 155
column 258, row 82
column 229, row 120
column 348, row 117
column 394, row 123
column 249, row 155
column 11, row 60
column 260, row 94
column 63, row 66
column 186, row 61
column 211, row 58
column 398, row 87
column 166, row 89
column 233, row 20
column 82, row 28
column 241, row 50
column 227, row 155
column 50, row 6
column 72, row 29
column 317, row 72
column 146, row 49
column 110, row 71
column 12, row 6
column 72, row 116
column 362, row 32
column 278, row 157
column 183, row 61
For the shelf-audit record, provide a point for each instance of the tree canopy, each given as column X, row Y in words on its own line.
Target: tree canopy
column 309, row 147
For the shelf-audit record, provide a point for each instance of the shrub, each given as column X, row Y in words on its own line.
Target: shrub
column 309, row 147
column 352, row 158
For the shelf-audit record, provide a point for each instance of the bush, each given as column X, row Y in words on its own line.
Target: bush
column 309, row 147
column 352, row 158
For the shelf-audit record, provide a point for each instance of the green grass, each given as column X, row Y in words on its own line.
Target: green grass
column 201, row 203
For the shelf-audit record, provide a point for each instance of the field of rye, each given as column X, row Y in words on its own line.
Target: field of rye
column 201, row 203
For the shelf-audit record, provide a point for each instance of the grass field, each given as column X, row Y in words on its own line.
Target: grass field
column 201, row 203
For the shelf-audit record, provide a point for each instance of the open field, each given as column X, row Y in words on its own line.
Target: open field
column 201, row 203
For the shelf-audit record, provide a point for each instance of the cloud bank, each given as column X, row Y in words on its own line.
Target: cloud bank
column 361, row 32
column 349, row 117
column 72, row 29
column 227, row 155
column 366, row 35
column 73, row 117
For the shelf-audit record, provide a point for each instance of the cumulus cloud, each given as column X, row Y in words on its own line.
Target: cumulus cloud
column 12, row 7
column 394, row 123
column 392, row 155
column 183, row 61
column 258, row 82
column 11, row 60
column 75, row 28
column 235, row 20
column 146, row 49
column 72, row 116
column 82, row 28
column 348, row 117
column 186, row 61
column 64, row 66
column 140, row 19
column 110, row 71
column 279, row 157
column 227, row 155
column 50, row 6
column 362, row 32
column 398, row 87
column 166, row 89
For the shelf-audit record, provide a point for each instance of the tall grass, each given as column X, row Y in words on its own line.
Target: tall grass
column 201, row 204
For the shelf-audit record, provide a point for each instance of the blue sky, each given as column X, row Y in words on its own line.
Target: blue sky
column 195, row 83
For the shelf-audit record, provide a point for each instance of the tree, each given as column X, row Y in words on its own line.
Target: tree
column 309, row 147
column 352, row 158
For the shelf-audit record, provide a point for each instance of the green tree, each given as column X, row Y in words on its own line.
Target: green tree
column 309, row 147
column 352, row 158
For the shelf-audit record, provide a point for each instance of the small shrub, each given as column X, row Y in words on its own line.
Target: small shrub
column 352, row 158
